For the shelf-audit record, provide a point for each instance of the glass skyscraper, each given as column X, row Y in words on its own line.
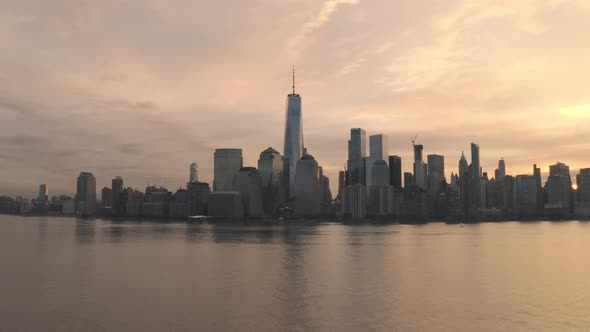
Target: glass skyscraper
column 293, row 149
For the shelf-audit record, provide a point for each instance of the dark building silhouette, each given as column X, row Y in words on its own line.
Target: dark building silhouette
column 395, row 171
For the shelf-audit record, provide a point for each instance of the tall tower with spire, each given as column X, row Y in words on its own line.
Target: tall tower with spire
column 293, row 148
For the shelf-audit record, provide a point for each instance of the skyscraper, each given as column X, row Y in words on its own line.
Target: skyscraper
column 43, row 193
column 500, row 173
column 357, row 151
column 307, row 187
column 378, row 150
column 436, row 173
column 226, row 164
column 420, row 171
column 194, row 173
column 559, row 191
column 249, row 184
column 476, row 174
column 463, row 166
column 117, row 189
column 395, row 171
column 293, row 148
column 86, row 194
column 270, row 166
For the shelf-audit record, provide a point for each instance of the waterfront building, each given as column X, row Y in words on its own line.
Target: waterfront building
column 355, row 201
column 226, row 164
column 395, row 171
column 525, row 195
column 582, row 202
column 357, row 153
column 225, row 205
column 463, row 166
column 43, row 193
column 116, row 190
column 381, row 192
column 106, row 197
column 193, row 173
column 86, row 195
column 420, row 170
column 307, row 187
column 559, row 191
column 197, row 198
column 248, row 183
column 378, row 150
column 293, row 143
column 475, row 171
column 270, row 167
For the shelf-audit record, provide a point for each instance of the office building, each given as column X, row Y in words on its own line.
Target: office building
column 378, row 150
column 226, row 164
column 293, row 144
column 43, row 193
column 86, row 195
column 116, row 200
column 307, row 187
column 248, row 183
column 225, row 205
column 436, row 174
column 395, row 171
column 270, row 167
column 525, row 196
column 197, row 198
column 420, row 171
column 475, row 171
column 559, row 191
column 357, row 152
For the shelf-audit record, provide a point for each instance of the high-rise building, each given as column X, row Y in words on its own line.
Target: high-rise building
column 436, row 173
column 226, row 164
column 582, row 203
column 583, row 182
column 525, row 196
column 106, row 197
column 43, row 193
column 381, row 196
column 293, row 148
column 395, row 171
column 420, row 170
column 249, row 184
column 116, row 201
column 476, row 174
column 307, row 187
column 194, row 173
column 270, row 166
column 341, row 183
column 86, row 195
column 559, row 191
column 463, row 166
column 197, row 197
column 408, row 179
column 357, row 151
column 378, row 150
column 500, row 173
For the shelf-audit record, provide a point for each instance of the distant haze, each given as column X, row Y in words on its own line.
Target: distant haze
column 142, row 88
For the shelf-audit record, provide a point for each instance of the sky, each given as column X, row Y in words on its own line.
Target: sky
column 142, row 88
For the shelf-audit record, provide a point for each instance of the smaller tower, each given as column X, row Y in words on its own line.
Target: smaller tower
column 194, row 173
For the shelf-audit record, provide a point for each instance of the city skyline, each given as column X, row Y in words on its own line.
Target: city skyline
column 144, row 106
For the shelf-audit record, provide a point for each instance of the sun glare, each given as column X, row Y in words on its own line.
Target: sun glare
column 580, row 111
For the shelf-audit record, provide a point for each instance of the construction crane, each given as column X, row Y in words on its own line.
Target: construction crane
column 414, row 140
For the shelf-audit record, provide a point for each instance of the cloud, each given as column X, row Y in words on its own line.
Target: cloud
column 298, row 42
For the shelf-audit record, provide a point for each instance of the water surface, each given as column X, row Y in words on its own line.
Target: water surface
column 62, row 274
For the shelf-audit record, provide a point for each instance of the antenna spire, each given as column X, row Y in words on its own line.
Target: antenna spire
column 293, row 79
